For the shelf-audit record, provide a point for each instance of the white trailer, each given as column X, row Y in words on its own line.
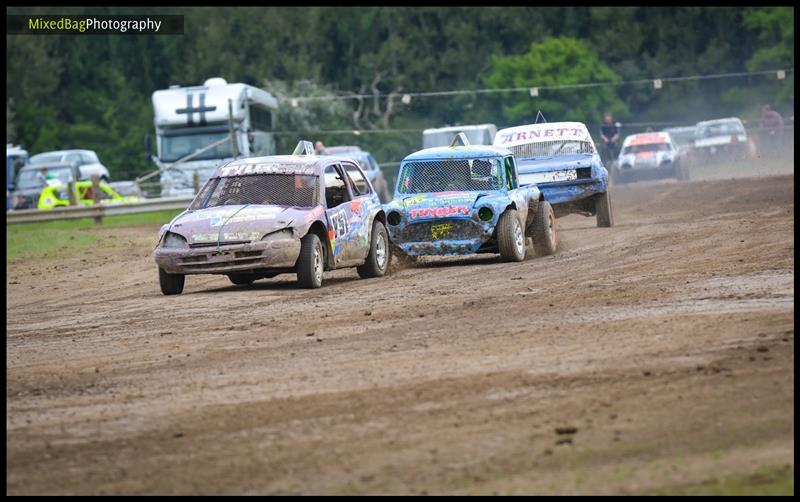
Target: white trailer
column 193, row 130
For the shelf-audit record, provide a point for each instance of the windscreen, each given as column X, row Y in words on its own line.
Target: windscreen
column 650, row 147
column 177, row 147
column 547, row 149
column 462, row 175
column 36, row 178
column 719, row 129
column 292, row 190
column 46, row 158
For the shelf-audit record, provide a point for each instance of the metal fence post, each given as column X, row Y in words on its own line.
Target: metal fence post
column 196, row 181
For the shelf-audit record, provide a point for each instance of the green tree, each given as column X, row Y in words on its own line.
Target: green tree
column 556, row 61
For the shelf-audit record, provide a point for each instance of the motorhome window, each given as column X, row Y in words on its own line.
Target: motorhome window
column 291, row 190
column 179, row 146
column 260, row 118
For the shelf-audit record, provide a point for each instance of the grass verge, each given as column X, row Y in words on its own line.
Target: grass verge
column 765, row 481
column 54, row 239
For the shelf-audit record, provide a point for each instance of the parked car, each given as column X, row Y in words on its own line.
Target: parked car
column 721, row 140
column 128, row 189
column 33, row 178
column 466, row 199
column 263, row 216
column 86, row 161
column 368, row 164
column 650, row 154
column 53, row 196
column 16, row 157
column 562, row 160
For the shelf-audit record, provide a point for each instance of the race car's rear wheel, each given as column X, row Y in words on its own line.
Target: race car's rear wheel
column 171, row 284
column 379, row 255
column 602, row 206
column 510, row 237
column 242, row 279
column 545, row 239
column 311, row 262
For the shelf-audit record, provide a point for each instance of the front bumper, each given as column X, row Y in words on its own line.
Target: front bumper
column 228, row 258
column 442, row 236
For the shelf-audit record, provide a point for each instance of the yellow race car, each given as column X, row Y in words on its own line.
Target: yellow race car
column 57, row 195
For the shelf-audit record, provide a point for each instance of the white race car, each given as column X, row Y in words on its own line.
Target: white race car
column 722, row 139
column 650, row 155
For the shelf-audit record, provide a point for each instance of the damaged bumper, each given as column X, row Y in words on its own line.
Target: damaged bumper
column 224, row 258
column 442, row 237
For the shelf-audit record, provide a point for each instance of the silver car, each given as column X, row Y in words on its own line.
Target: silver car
column 86, row 161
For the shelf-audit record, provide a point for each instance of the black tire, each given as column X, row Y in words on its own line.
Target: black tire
column 602, row 207
column 171, row 284
column 545, row 237
column 379, row 253
column 311, row 262
column 242, row 279
column 510, row 237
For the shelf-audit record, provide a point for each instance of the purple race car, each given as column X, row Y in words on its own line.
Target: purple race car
column 259, row 217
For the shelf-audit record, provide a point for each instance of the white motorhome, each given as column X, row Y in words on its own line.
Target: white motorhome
column 193, row 130
column 482, row 134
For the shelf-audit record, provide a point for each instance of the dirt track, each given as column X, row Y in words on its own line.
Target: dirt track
column 666, row 342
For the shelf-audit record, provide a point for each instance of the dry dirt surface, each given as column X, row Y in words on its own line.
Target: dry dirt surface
column 653, row 354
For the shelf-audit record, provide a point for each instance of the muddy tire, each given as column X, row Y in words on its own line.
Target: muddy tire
column 379, row 254
column 545, row 237
column 311, row 262
column 171, row 284
column 602, row 206
column 242, row 279
column 510, row 237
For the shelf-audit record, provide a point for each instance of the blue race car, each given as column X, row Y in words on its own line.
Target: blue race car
column 465, row 199
column 562, row 160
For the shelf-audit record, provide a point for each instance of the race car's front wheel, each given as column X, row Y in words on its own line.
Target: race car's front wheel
column 242, row 279
column 602, row 206
column 171, row 284
column 311, row 262
column 545, row 239
column 379, row 255
column 510, row 237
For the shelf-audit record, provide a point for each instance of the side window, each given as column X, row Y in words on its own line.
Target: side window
column 260, row 118
column 336, row 191
column 359, row 183
column 74, row 158
column 86, row 158
column 511, row 173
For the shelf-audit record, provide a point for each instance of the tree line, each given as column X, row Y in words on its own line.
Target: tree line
column 77, row 91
